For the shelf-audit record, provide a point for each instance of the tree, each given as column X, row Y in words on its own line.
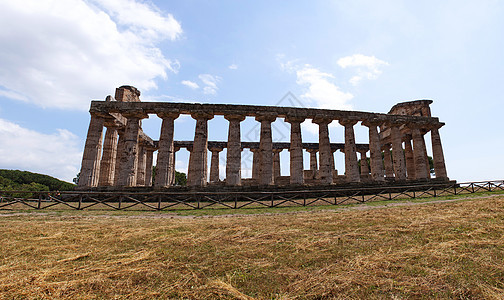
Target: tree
column 180, row 178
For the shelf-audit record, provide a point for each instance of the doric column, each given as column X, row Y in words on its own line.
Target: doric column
column 397, row 152
column 165, row 157
column 233, row 159
column 214, row 164
column 118, row 161
column 364, row 168
column 313, row 161
column 276, row 164
column 266, row 149
column 427, row 165
column 129, row 157
column 255, row 162
column 197, row 171
column 141, row 165
column 410, row 160
column 420, row 158
column 387, row 161
column 437, row 152
column 377, row 172
column 296, row 150
column 174, row 163
column 108, row 161
column 325, row 173
column 148, row 166
column 90, row 167
column 333, row 164
column 351, row 165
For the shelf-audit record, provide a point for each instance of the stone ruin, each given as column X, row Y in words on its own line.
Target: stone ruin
column 123, row 157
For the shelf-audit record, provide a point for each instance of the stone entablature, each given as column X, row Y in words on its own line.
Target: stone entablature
column 103, row 107
column 127, row 157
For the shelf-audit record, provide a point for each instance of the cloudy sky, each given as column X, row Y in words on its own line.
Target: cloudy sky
column 56, row 56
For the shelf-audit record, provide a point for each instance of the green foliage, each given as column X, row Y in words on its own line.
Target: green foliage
column 180, row 178
column 28, row 181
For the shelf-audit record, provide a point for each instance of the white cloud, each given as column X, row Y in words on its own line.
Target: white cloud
column 190, row 84
column 56, row 154
column 62, row 53
column 367, row 66
column 210, row 82
column 321, row 90
column 233, row 67
column 144, row 19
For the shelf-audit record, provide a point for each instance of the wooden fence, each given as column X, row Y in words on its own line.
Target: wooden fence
column 158, row 201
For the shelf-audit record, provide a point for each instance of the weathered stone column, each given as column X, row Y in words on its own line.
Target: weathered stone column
column 108, row 161
column 197, row 171
column 351, row 165
column 333, row 164
column 90, row 168
column 387, row 160
column 427, row 165
column 174, row 164
column 437, row 153
column 256, row 161
column 276, row 164
column 397, row 152
column 313, row 161
column 233, row 156
column 364, row 168
column 165, row 158
column 141, row 165
column 377, row 172
column 129, row 157
column 148, row 166
column 266, row 149
column 120, row 152
column 296, row 151
column 325, row 173
column 214, row 164
column 410, row 160
column 419, row 153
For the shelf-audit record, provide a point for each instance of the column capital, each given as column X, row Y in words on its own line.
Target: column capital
column 215, row 149
column 321, row 120
column 347, row 122
column 266, row 117
column 112, row 123
column 294, row 119
column 202, row 115
column 168, row 114
column 312, row 150
column 277, row 150
column 234, row 117
column 386, row 146
column 254, row 149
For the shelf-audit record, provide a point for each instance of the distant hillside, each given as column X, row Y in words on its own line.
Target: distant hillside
column 28, row 181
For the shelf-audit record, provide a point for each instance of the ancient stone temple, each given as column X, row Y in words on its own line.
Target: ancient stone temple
column 122, row 156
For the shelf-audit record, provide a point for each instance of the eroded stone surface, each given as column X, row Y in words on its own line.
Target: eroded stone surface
column 128, row 151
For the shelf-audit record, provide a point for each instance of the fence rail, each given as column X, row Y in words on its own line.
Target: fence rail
column 158, row 201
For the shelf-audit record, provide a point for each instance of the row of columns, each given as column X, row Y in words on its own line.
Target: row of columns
column 126, row 162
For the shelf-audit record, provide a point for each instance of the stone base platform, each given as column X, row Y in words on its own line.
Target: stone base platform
column 346, row 188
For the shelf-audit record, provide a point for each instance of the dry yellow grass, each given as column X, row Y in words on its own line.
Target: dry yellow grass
column 442, row 250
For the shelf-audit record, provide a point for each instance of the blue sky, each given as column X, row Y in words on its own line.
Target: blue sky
column 56, row 56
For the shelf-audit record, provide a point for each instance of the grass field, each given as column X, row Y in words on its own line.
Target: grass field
column 421, row 250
